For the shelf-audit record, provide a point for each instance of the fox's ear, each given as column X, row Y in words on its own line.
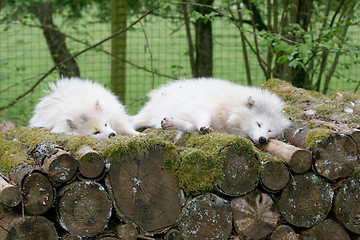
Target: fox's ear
column 250, row 102
column 97, row 106
column 71, row 124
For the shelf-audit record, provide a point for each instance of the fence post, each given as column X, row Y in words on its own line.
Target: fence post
column 118, row 48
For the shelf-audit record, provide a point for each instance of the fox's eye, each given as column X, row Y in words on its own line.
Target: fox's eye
column 269, row 131
column 105, row 124
column 259, row 125
column 97, row 132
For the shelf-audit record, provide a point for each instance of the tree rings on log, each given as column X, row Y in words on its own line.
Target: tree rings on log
column 84, row 208
column 240, row 173
column 255, row 215
column 91, row 163
column 347, row 203
column 336, row 157
column 206, row 217
column 144, row 191
column 13, row 226
column 38, row 193
column 325, row 230
column 306, row 200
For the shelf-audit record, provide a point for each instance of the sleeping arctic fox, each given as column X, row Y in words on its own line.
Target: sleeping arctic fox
column 212, row 104
column 81, row 107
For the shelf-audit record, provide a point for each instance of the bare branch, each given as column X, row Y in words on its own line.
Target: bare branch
column 74, row 56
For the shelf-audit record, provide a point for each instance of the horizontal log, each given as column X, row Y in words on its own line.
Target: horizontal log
column 16, row 226
column 10, row 195
column 84, row 208
column 327, row 229
column 206, row 217
column 38, row 193
column 61, row 166
column 91, row 163
column 142, row 188
column 274, row 174
column 297, row 159
column 284, row 232
column 346, row 204
column 306, row 200
column 255, row 215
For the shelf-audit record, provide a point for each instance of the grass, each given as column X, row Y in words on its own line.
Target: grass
column 24, row 58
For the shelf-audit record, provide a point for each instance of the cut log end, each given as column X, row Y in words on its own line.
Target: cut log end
column 84, row 208
column 255, row 215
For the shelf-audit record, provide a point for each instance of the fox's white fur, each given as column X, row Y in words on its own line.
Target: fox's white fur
column 207, row 103
column 81, row 107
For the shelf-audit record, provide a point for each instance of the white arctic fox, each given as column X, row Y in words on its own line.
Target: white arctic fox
column 212, row 104
column 81, row 107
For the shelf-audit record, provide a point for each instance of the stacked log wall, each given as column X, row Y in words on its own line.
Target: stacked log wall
column 212, row 186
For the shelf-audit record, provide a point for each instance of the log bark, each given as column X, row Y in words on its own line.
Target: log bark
column 255, row 215
column 61, row 166
column 15, row 226
column 38, row 193
column 143, row 191
column 296, row 134
column 206, row 217
column 10, row 195
column 346, row 204
column 306, row 200
column 91, row 163
column 325, row 230
column 44, row 150
column 84, row 208
column 297, row 159
column 284, row 232
column 274, row 175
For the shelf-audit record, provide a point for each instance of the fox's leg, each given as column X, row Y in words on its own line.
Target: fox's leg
column 200, row 122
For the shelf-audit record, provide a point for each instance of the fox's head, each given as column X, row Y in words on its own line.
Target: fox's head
column 91, row 124
column 266, row 120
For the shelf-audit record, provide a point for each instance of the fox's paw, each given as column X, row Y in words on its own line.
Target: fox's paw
column 167, row 123
column 205, row 130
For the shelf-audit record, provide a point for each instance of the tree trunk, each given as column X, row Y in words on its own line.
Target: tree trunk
column 346, row 204
column 206, row 217
column 118, row 48
column 255, row 215
column 325, row 230
column 204, row 45
column 306, row 200
column 144, row 192
column 55, row 41
column 84, row 208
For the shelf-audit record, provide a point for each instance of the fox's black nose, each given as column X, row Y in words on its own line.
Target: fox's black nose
column 112, row 135
column 262, row 140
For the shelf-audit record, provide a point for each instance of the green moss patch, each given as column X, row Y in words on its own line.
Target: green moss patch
column 317, row 135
